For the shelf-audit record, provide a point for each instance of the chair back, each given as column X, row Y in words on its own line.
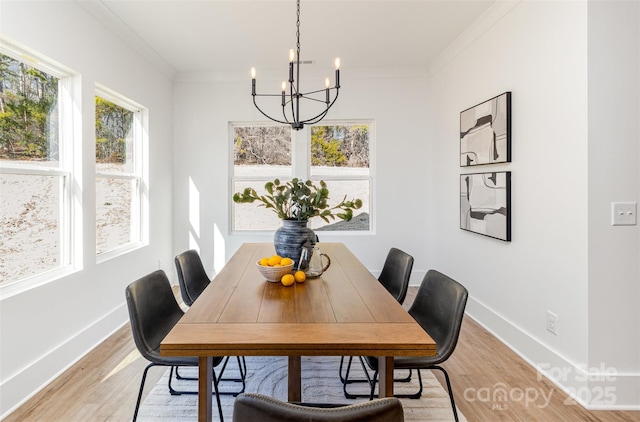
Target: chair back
column 192, row 277
column 396, row 272
column 439, row 308
column 153, row 312
column 250, row 407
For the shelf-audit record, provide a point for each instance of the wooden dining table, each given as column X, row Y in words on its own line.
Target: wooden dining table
column 344, row 312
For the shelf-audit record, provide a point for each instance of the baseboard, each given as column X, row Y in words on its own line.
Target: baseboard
column 19, row 388
column 591, row 388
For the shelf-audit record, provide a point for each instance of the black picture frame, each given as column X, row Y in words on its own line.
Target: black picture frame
column 485, row 204
column 485, row 132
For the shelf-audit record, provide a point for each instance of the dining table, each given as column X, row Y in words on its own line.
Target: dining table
column 343, row 312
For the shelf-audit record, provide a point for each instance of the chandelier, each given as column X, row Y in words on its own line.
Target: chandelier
column 291, row 97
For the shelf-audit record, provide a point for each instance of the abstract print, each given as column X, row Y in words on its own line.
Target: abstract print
column 485, row 132
column 485, row 204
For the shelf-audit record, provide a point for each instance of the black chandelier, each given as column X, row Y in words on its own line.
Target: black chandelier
column 294, row 96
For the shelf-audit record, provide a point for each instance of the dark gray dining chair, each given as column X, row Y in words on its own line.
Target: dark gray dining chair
column 439, row 309
column 153, row 312
column 251, row 407
column 193, row 279
column 395, row 276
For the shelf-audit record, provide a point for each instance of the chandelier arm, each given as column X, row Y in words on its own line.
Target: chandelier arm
column 314, row 99
column 267, row 95
column 266, row 115
column 316, row 119
column 320, row 90
column 320, row 116
column 284, row 114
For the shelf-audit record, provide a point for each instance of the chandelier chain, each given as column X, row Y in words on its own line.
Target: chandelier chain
column 298, row 33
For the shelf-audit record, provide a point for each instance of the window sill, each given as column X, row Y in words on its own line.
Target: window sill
column 17, row 287
column 119, row 251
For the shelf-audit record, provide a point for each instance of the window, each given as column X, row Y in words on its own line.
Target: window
column 119, row 130
column 339, row 154
column 36, row 163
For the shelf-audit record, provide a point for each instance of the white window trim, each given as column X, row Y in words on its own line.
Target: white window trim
column 301, row 168
column 139, row 210
column 68, row 168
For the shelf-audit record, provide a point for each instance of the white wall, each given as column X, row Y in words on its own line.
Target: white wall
column 614, row 157
column 204, row 106
column 572, row 156
column 574, row 151
column 46, row 329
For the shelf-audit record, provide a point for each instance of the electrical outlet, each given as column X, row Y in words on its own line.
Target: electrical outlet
column 623, row 213
column 552, row 323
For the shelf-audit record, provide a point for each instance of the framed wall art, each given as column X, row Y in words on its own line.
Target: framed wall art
column 485, row 204
column 485, row 132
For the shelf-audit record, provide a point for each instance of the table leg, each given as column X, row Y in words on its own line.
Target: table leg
column 205, row 377
column 385, row 374
column 295, row 375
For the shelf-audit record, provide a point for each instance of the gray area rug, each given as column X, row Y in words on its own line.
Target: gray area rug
column 268, row 375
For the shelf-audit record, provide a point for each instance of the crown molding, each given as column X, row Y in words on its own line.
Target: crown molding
column 486, row 21
column 101, row 12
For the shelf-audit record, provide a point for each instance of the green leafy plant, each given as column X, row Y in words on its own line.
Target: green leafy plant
column 299, row 200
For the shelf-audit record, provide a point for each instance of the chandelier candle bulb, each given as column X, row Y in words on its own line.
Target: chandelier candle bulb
column 338, row 72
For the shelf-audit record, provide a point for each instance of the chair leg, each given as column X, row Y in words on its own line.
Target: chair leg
column 371, row 383
column 242, row 365
column 182, row 377
column 446, row 378
column 343, row 379
column 144, row 378
column 352, row 381
column 173, row 391
column 217, row 393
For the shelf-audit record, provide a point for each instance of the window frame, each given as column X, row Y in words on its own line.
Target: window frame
column 67, row 168
column 139, row 216
column 301, row 168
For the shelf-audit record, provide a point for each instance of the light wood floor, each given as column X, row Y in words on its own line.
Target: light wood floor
column 103, row 385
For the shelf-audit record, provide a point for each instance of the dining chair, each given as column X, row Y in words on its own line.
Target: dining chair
column 193, row 279
column 250, row 407
column 395, row 275
column 153, row 312
column 439, row 308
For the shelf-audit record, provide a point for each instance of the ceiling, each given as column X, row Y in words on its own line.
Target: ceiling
column 234, row 35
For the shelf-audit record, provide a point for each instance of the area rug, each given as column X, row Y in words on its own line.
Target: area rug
column 320, row 384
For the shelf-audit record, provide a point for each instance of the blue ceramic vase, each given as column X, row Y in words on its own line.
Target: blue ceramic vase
column 289, row 238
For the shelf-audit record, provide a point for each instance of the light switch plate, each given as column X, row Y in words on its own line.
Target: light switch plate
column 623, row 214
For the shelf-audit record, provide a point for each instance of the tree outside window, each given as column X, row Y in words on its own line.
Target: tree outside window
column 339, row 154
column 118, row 175
column 34, row 179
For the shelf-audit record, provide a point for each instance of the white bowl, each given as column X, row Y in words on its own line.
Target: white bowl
column 274, row 274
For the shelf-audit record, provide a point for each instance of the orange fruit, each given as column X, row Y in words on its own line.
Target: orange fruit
column 275, row 259
column 287, row 280
column 286, row 261
column 264, row 262
column 300, row 276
